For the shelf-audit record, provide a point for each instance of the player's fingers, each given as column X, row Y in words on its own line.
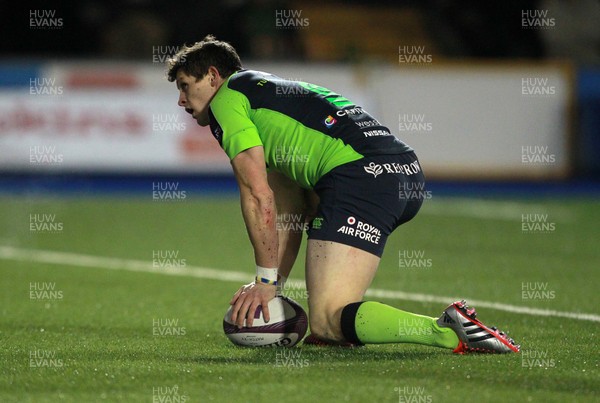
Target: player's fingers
column 237, row 305
column 251, row 311
column 243, row 313
column 236, row 296
column 265, row 309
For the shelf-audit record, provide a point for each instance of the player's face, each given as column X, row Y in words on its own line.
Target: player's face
column 195, row 96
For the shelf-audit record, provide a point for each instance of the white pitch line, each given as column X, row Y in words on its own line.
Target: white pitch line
column 80, row 260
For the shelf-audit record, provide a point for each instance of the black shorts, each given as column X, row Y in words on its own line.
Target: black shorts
column 362, row 202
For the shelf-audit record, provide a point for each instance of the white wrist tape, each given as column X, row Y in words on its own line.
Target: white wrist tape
column 266, row 275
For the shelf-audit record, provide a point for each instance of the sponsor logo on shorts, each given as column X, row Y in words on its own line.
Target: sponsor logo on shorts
column 317, row 222
column 361, row 230
column 392, row 168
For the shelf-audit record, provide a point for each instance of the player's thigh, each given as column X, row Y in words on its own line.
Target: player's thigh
column 336, row 275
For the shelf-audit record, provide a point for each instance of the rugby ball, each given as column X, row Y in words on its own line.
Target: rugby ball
column 286, row 328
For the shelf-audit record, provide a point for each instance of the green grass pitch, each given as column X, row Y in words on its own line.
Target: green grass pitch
column 119, row 335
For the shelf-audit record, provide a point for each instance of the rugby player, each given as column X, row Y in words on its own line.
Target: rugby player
column 318, row 155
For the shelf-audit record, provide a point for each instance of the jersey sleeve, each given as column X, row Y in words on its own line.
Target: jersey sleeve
column 230, row 109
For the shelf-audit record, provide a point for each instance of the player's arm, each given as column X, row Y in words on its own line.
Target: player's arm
column 291, row 201
column 242, row 144
column 258, row 204
column 260, row 215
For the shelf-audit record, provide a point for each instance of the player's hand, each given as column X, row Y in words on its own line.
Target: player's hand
column 247, row 299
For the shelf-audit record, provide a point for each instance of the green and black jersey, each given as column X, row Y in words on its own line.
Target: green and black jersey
column 306, row 130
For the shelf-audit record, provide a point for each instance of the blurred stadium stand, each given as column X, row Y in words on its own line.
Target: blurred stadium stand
column 354, row 34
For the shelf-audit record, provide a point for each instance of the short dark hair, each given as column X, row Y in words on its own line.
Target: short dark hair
column 196, row 59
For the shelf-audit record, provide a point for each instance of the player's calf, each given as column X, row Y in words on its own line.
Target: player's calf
column 372, row 322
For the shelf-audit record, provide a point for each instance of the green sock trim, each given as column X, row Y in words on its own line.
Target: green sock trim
column 377, row 323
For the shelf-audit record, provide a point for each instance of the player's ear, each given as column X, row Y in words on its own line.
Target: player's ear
column 213, row 75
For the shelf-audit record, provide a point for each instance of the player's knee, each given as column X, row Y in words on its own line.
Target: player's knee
column 318, row 327
column 326, row 325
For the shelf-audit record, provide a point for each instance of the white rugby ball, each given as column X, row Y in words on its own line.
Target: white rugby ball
column 286, row 328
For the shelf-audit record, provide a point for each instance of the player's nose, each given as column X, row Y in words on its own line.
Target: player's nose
column 181, row 101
